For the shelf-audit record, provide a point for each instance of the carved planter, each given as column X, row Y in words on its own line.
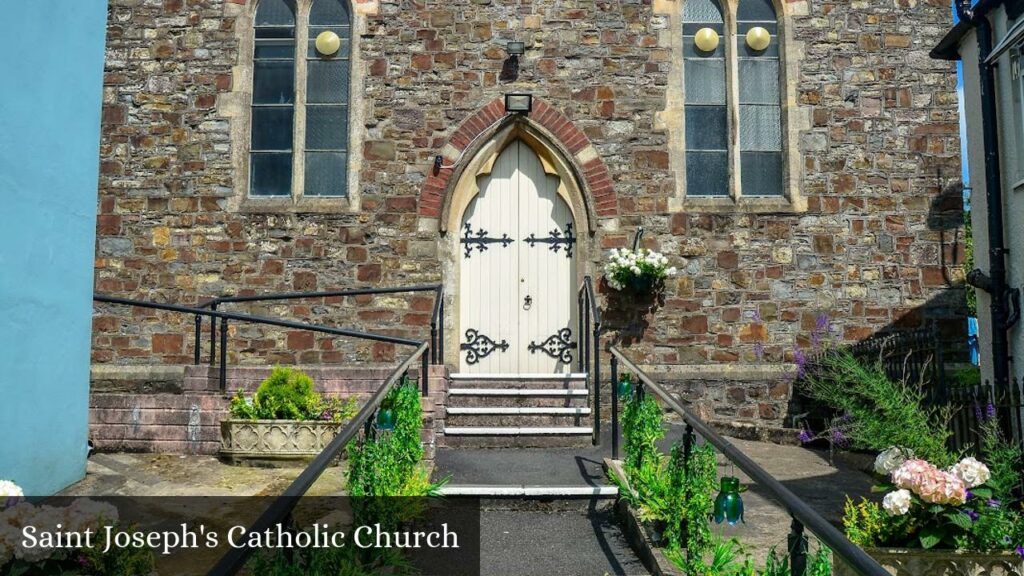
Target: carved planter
column 899, row 562
column 274, row 441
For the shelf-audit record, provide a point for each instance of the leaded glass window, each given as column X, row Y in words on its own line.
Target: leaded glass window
column 327, row 84
column 273, row 99
column 734, row 134
column 706, row 109
column 300, row 100
column 760, row 118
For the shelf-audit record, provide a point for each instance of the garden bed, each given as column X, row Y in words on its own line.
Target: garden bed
column 636, row 533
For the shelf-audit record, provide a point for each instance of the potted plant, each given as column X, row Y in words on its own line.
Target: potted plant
column 641, row 272
column 285, row 420
column 934, row 521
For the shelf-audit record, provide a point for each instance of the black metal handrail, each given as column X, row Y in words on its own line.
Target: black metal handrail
column 801, row 513
column 436, row 317
column 588, row 315
column 225, row 316
column 280, row 510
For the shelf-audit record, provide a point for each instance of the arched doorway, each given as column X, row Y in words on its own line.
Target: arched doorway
column 517, row 257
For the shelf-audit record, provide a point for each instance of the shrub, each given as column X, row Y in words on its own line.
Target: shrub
column 877, row 412
column 288, row 394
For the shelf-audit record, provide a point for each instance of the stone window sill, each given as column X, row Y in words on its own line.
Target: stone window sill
column 278, row 205
column 743, row 205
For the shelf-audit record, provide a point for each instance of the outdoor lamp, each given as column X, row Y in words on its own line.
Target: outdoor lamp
column 758, row 38
column 706, row 39
column 515, row 48
column 520, row 103
column 328, row 43
column 625, row 386
column 386, row 420
column 729, row 504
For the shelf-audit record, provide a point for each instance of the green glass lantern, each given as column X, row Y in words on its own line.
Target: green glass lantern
column 386, row 420
column 729, row 504
column 625, row 387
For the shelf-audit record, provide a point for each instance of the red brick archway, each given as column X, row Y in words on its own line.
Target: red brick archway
column 591, row 170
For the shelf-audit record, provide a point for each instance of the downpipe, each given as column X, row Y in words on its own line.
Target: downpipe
column 995, row 281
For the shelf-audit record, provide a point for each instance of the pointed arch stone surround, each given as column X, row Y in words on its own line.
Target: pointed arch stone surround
column 551, row 128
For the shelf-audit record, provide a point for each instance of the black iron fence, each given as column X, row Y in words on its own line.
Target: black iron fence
column 939, row 366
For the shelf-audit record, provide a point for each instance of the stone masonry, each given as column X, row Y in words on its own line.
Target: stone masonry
column 875, row 142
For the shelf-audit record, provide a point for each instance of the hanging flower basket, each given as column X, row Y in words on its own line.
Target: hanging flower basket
column 641, row 272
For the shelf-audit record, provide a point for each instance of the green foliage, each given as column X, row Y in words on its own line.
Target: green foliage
column 346, row 561
column 969, row 377
column 288, row 394
column 868, row 526
column 388, row 463
column 1004, row 459
column 878, row 411
column 969, row 292
column 641, row 430
column 701, row 475
column 120, row 561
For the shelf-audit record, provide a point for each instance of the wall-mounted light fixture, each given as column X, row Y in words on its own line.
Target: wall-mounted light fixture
column 515, row 48
column 519, row 103
column 758, row 38
column 328, row 43
column 706, row 39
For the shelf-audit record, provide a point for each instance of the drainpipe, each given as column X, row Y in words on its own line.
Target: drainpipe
column 996, row 280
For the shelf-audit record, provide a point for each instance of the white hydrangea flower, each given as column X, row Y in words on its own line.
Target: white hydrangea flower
column 971, row 472
column 891, row 459
column 8, row 490
column 897, row 503
column 671, row 271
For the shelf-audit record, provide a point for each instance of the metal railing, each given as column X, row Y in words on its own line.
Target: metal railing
column 280, row 510
column 588, row 314
column 436, row 317
column 803, row 516
column 214, row 314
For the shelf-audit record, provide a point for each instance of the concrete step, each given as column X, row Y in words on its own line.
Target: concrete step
column 529, row 491
column 519, row 381
column 491, row 416
column 517, row 398
column 517, row 436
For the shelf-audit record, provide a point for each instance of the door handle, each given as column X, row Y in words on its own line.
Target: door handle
column 527, row 302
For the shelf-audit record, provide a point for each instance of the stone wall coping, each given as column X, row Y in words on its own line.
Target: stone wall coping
column 135, row 371
column 720, row 371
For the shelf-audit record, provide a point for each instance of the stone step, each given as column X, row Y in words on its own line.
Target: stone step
column 491, row 416
column 521, row 384
column 525, row 491
column 517, row 436
column 516, row 398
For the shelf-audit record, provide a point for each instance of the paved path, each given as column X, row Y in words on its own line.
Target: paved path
column 807, row 473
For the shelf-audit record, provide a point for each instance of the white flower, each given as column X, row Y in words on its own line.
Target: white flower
column 9, row 489
column 671, row 271
column 897, row 503
column 972, row 472
column 891, row 459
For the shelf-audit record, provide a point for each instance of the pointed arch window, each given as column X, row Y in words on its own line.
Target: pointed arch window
column 299, row 131
column 706, row 110
column 732, row 100
column 273, row 99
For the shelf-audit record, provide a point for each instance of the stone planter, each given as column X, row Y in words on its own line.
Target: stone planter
column 271, row 442
column 900, row 562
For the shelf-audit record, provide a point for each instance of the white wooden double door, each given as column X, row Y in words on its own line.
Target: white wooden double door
column 518, row 272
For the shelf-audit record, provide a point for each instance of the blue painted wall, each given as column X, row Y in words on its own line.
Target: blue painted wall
column 51, row 66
